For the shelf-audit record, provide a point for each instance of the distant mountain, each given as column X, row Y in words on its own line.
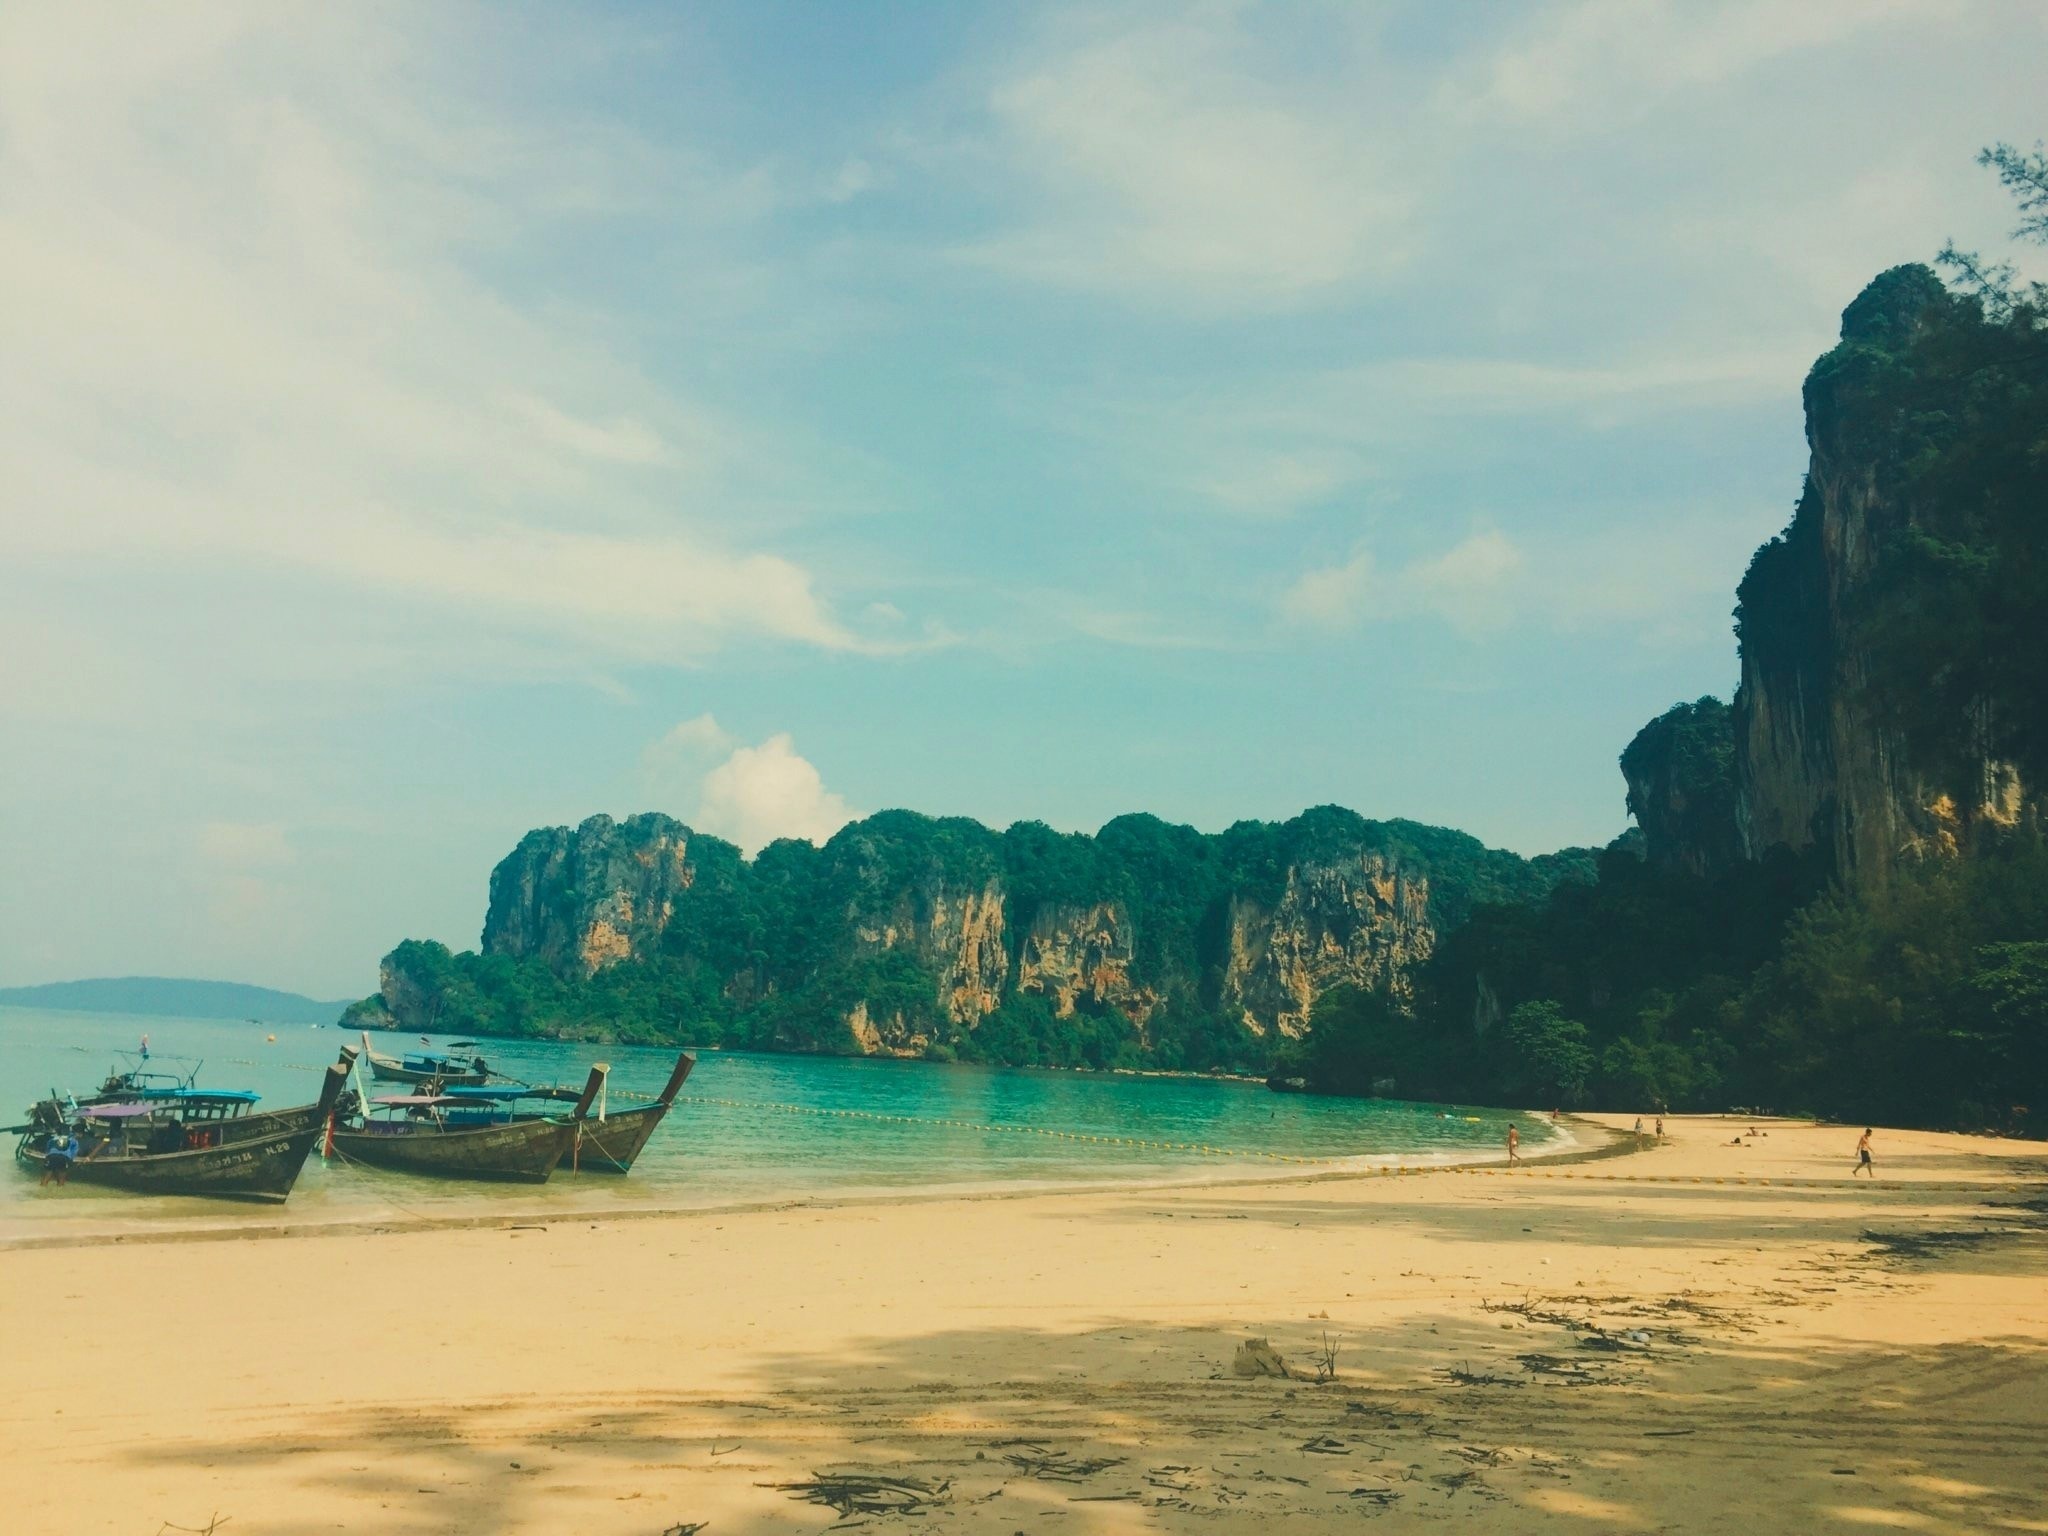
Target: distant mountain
column 171, row 995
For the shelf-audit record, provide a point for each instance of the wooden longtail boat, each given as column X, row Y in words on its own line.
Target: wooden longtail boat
column 610, row 1143
column 605, row 1142
column 457, row 1138
column 141, row 1146
column 425, row 1067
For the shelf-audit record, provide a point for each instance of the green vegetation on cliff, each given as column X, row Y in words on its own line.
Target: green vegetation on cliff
column 1838, row 901
column 1145, row 945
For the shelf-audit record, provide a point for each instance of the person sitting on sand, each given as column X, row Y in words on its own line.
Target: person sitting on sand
column 1863, row 1163
column 60, row 1151
column 1514, row 1145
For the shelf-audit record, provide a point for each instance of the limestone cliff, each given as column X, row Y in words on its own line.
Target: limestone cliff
column 1082, row 956
column 907, row 934
column 1680, row 770
column 1817, row 763
column 588, row 897
column 1363, row 922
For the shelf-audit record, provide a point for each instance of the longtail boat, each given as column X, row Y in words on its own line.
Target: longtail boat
column 455, row 1137
column 144, row 1146
column 609, row 1143
column 605, row 1142
column 426, row 1066
column 210, row 1116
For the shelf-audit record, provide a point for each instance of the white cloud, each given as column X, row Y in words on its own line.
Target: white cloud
column 1597, row 61
column 241, row 846
column 1470, row 585
column 264, row 345
column 1161, row 164
column 762, row 793
column 1333, row 596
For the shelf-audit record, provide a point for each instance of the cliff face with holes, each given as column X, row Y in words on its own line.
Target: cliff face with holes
column 907, row 934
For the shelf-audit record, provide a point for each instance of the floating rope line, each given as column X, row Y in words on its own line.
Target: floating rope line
column 987, row 1128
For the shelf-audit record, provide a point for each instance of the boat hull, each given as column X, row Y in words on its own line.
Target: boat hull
column 261, row 1167
column 611, row 1144
column 521, row 1151
column 385, row 1070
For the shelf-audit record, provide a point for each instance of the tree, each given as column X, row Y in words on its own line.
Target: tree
column 1549, row 1054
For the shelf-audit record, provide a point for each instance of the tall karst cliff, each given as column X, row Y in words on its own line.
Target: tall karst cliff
column 1824, row 759
column 908, row 934
column 1870, row 724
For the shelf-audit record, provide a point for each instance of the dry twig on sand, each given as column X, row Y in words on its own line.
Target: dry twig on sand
column 1465, row 1376
column 207, row 1529
column 1059, row 1466
column 868, row 1493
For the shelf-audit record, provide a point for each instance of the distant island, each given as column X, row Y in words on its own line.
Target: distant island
column 174, row 997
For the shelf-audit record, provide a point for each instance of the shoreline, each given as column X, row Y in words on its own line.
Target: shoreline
column 204, row 1229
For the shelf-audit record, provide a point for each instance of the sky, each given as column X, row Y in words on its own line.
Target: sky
column 419, row 423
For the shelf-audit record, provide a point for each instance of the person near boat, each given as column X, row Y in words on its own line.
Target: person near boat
column 59, row 1153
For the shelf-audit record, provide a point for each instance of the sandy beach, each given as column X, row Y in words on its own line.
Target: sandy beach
column 1696, row 1336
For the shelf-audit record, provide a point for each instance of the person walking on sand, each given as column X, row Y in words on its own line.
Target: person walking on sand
column 1660, row 1126
column 1514, row 1146
column 1863, row 1163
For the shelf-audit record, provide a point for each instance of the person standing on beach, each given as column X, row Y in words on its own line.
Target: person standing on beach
column 1514, row 1145
column 1660, row 1126
column 1863, row 1163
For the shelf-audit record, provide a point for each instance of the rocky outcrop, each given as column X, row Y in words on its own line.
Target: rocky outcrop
column 1083, row 955
column 907, row 934
column 1359, row 922
column 956, row 934
column 1680, row 770
column 589, row 897
column 1817, row 765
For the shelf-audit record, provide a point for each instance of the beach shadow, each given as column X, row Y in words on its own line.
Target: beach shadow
column 1447, row 1415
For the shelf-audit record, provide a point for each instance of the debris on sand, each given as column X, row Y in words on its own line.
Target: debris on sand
column 1558, row 1368
column 1257, row 1357
column 1059, row 1466
column 868, row 1493
column 1465, row 1376
column 687, row 1528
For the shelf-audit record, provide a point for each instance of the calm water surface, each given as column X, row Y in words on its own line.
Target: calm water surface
column 749, row 1128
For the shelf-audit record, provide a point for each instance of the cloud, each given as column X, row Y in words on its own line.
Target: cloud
column 762, row 793
column 274, row 338
column 1160, row 162
column 241, row 846
column 1470, row 586
column 1600, row 61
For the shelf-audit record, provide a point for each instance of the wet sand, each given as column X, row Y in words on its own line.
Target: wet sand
column 1694, row 1337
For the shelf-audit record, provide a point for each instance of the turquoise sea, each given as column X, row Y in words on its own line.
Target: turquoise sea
column 749, row 1129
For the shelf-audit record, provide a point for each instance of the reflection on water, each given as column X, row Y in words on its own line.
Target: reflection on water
column 749, row 1129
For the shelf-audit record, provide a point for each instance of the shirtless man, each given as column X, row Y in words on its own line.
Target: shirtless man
column 1863, row 1163
column 1514, row 1145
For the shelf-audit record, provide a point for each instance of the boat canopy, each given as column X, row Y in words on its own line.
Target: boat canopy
column 480, row 1091
column 412, row 1100
column 117, row 1111
column 208, row 1095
